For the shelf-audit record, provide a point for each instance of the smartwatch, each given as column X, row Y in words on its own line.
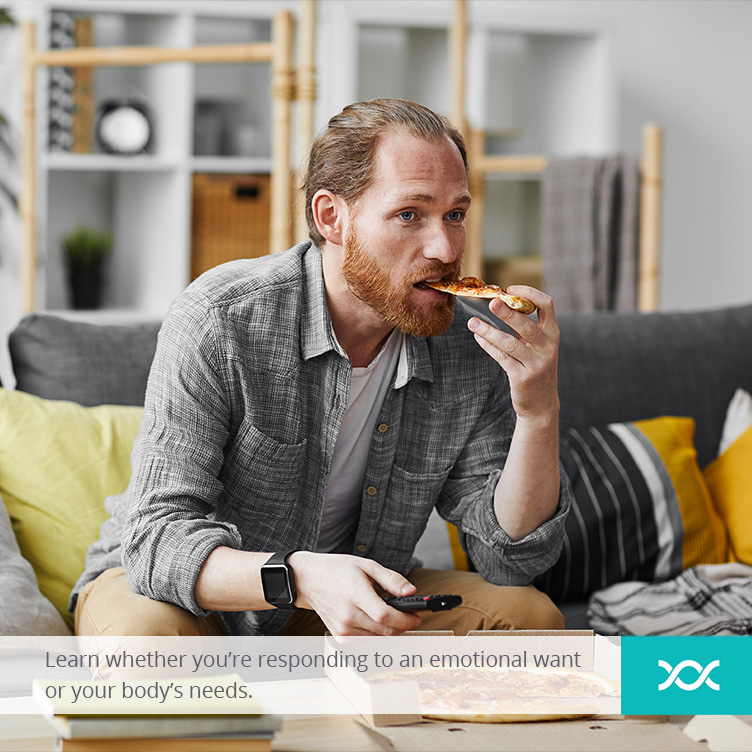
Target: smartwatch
column 277, row 580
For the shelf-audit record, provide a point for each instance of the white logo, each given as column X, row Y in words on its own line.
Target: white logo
column 703, row 677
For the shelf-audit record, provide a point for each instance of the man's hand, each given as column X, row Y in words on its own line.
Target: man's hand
column 530, row 359
column 341, row 589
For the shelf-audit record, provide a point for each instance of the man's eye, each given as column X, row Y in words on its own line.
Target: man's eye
column 407, row 216
column 455, row 216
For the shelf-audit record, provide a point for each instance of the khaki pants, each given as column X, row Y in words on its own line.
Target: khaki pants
column 108, row 607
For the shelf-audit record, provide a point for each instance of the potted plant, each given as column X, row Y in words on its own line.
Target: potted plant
column 86, row 252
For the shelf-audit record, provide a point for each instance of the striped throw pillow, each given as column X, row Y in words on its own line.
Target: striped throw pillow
column 641, row 509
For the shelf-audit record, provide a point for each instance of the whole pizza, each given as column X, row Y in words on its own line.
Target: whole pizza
column 504, row 695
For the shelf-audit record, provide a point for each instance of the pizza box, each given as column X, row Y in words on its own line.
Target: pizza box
column 722, row 733
column 398, row 703
column 717, row 733
column 587, row 735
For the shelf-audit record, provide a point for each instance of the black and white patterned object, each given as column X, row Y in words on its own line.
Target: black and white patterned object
column 62, row 36
column 711, row 599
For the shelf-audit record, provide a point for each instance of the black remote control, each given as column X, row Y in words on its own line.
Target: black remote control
column 424, row 602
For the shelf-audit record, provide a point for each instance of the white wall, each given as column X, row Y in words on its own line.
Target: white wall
column 687, row 65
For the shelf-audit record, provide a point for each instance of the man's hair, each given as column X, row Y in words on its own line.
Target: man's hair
column 342, row 155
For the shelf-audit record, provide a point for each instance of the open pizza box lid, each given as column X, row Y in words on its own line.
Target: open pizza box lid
column 398, row 703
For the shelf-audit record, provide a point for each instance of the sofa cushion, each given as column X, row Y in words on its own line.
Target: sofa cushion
column 640, row 510
column 90, row 364
column 617, row 367
column 24, row 611
column 58, row 462
column 729, row 479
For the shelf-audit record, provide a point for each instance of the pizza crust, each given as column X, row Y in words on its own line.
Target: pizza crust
column 506, row 717
column 472, row 287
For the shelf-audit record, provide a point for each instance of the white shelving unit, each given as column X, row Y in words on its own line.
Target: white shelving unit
column 145, row 200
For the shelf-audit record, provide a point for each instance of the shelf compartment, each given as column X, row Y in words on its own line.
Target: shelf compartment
column 144, row 211
column 230, row 219
column 61, row 161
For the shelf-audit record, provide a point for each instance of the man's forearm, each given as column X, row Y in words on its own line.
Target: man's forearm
column 527, row 493
column 230, row 580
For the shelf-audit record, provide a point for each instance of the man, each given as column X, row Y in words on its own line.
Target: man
column 319, row 403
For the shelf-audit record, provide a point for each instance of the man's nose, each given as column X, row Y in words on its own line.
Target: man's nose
column 440, row 244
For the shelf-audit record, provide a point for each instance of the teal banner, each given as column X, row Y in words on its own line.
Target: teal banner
column 686, row 675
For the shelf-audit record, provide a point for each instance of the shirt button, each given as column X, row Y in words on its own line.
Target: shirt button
column 382, row 428
column 371, row 491
column 362, row 548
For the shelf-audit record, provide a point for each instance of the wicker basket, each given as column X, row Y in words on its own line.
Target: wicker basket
column 230, row 219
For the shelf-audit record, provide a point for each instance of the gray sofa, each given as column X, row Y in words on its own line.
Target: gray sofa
column 613, row 368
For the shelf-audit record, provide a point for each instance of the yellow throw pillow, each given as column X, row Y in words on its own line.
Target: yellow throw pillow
column 705, row 538
column 58, row 463
column 459, row 557
column 729, row 478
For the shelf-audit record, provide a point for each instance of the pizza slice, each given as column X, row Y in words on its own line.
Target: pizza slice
column 472, row 287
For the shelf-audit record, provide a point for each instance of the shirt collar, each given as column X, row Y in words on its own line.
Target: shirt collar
column 415, row 360
column 316, row 333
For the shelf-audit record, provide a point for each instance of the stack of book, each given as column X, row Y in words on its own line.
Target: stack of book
column 185, row 725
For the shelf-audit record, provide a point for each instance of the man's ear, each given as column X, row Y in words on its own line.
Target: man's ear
column 330, row 215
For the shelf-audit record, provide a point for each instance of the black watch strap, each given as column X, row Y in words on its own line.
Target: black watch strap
column 280, row 557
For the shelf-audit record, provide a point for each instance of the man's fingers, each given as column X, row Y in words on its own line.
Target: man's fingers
column 496, row 351
column 387, row 621
column 525, row 328
column 543, row 302
column 374, row 618
column 391, row 581
column 499, row 345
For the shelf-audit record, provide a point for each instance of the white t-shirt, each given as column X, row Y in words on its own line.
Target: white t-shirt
column 368, row 388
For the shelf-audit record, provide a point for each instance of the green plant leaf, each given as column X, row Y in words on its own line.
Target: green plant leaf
column 86, row 249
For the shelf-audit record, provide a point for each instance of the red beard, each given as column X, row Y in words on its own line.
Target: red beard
column 392, row 301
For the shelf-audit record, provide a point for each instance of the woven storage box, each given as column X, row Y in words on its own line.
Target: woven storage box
column 230, row 219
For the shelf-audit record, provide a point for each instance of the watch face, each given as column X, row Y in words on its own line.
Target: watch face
column 276, row 584
column 124, row 129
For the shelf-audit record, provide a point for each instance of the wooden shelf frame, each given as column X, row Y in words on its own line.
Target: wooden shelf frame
column 288, row 84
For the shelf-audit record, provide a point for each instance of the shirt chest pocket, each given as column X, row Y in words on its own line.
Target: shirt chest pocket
column 262, row 473
column 410, row 500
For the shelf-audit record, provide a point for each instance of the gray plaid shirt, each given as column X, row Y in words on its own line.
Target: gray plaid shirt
column 243, row 407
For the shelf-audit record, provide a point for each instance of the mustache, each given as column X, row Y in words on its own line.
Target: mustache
column 436, row 270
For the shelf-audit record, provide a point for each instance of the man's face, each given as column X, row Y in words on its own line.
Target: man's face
column 408, row 227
